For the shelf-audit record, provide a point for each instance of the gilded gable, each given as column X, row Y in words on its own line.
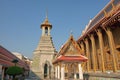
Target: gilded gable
column 71, row 48
column 71, row 51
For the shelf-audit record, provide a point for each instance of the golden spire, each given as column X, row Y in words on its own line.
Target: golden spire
column 46, row 22
column 46, row 19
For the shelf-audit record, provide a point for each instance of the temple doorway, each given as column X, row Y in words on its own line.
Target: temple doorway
column 72, row 70
column 45, row 70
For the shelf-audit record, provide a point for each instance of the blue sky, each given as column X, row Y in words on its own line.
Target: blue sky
column 20, row 21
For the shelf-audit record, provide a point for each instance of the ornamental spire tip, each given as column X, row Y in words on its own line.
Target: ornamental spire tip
column 46, row 13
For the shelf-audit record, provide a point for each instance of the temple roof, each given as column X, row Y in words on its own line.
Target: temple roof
column 70, row 52
column 109, row 10
column 46, row 23
column 71, row 58
column 6, row 58
column 71, row 43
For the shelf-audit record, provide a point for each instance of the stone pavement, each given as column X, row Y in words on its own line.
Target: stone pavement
column 34, row 78
column 31, row 78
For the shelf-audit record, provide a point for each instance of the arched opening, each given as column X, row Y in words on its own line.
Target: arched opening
column 46, row 30
column 45, row 70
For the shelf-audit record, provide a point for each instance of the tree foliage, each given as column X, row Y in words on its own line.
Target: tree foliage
column 14, row 70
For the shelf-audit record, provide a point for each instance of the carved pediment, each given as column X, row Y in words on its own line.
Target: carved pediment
column 71, row 48
column 71, row 51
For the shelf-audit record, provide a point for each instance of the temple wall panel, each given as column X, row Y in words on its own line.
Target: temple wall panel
column 97, row 53
column 105, row 39
column 116, row 35
column 97, row 42
column 108, row 55
column 90, row 55
column 118, row 55
column 106, row 51
column 108, row 62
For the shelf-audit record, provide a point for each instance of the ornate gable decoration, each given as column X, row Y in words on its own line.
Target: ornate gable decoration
column 71, row 48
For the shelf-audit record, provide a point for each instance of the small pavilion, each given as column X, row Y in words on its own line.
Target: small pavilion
column 67, row 62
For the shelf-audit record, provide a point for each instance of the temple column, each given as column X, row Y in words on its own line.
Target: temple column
column 93, row 51
column 82, row 46
column 48, row 30
column 3, row 70
column 75, row 76
column 112, row 47
column 101, row 44
column 87, row 54
column 43, row 31
column 80, row 72
column 62, row 72
column 58, row 72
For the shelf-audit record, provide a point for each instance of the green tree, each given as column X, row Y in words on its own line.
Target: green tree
column 14, row 70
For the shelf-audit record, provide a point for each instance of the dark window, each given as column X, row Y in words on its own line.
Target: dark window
column 46, row 30
column 45, row 70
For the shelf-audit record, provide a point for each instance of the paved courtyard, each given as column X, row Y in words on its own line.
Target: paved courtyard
column 31, row 78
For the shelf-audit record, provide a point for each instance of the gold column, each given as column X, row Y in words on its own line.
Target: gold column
column 87, row 54
column 82, row 46
column 112, row 47
column 93, row 51
column 101, row 44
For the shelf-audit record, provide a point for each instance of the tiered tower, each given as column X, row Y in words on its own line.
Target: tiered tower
column 43, row 55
